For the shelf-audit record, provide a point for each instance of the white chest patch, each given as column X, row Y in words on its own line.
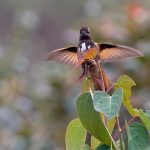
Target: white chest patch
column 89, row 46
column 83, row 47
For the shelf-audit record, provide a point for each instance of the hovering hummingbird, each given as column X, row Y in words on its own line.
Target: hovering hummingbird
column 89, row 55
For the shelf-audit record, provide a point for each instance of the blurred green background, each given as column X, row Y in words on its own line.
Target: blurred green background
column 37, row 98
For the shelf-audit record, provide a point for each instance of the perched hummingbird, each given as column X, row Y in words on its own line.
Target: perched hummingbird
column 90, row 54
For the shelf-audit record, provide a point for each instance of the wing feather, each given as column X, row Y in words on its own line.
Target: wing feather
column 110, row 52
column 64, row 55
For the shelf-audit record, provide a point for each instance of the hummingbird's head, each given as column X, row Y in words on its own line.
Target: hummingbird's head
column 85, row 33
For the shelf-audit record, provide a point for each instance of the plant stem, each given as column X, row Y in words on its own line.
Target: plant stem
column 121, row 139
column 88, row 139
column 88, row 135
column 116, row 135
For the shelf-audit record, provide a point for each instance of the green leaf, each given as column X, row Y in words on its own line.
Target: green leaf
column 91, row 119
column 145, row 119
column 148, row 113
column 111, row 124
column 94, row 142
column 137, row 137
column 85, row 147
column 86, row 84
column 75, row 135
column 127, row 83
column 109, row 105
column 103, row 147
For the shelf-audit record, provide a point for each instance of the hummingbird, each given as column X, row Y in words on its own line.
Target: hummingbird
column 89, row 55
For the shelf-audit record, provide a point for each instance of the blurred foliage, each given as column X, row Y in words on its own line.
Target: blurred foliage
column 37, row 97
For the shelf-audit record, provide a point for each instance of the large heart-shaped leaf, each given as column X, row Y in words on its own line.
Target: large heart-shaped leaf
column 91, row 119
column 137, row 137
column 109, row 105
column 127, row 83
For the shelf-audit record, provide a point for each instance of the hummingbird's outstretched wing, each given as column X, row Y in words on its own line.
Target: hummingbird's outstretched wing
column 64, row 55
column 110, row 52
